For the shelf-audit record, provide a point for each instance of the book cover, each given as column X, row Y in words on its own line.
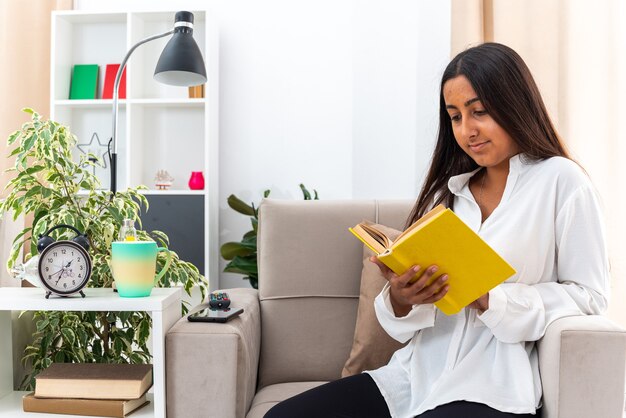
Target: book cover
column 440, row 237
column 196, row 92
column 93, row 381
column 84, row 84
column 90, row 407
column 109, row 82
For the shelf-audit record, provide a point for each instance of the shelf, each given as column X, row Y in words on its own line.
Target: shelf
column 157, row 102
column 170, row 192
column 163, row 305
column 173, row 192
column 81, row 17
column 97, row 299
column 77, row 39
column 89, row 104
column 173, row 140
column 183, row 102
column 11, row 406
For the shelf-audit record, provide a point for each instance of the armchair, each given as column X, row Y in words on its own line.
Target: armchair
column 296, row 331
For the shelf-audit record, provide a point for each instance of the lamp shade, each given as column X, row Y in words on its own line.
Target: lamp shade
column 181, row 62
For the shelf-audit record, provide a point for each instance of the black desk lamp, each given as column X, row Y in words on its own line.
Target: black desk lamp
column 180, row 64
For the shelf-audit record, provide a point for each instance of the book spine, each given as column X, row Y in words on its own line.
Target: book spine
column 109, row 82
column 72, row 407
column 104, row 390
column 84, row 82
column 397, row 264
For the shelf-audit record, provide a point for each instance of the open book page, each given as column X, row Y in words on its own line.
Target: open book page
column 375, row 240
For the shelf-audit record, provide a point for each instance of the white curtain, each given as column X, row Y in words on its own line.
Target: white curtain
column 576, row 50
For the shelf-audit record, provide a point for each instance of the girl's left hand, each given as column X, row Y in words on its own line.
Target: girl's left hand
column 482, row 303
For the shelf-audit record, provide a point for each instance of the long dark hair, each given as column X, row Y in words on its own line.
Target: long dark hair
column 508, row 92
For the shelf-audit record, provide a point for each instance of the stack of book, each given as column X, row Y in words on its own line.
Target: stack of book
column 108, row 390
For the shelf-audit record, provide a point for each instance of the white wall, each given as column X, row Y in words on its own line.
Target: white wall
column 319, row 92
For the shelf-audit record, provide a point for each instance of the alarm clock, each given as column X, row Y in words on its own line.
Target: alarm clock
column 64, row 266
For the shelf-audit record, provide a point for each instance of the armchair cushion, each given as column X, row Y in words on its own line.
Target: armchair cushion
column 309, row 265
column 271, row 395
column 372, row 347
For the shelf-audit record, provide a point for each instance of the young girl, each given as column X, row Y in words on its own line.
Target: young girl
column 501, row 166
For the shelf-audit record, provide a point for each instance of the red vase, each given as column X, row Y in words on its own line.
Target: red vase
column 196, row 181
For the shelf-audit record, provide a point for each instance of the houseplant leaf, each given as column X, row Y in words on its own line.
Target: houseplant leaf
column 232, row 249
column 240, row 206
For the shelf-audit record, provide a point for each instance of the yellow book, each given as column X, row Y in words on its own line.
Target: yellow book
column 441, row 238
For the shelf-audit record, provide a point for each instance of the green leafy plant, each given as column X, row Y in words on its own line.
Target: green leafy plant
column 55, row 189
column 242, row 255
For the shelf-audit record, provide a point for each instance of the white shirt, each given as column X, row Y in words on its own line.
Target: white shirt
column 549, row 227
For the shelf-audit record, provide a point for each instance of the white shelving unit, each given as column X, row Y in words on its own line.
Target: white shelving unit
column 159, row 126
column 164, row 308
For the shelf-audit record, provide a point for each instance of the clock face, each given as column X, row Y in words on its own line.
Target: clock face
column 64, row 267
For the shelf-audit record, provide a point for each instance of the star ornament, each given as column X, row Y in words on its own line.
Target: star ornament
column 88, row 148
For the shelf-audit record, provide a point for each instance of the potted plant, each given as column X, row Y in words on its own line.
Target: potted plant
column 55, row 189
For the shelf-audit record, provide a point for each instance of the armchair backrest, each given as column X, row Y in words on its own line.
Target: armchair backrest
column 309, row 279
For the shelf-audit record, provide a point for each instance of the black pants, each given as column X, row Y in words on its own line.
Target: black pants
column 358, row 397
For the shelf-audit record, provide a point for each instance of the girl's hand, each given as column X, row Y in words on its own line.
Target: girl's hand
column 404, row 295
column 482, row 303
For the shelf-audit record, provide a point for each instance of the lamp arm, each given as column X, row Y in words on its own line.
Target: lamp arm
column 118, row 77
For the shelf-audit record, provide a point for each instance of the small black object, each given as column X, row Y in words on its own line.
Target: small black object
column 219, row 300
column 43, row 242
column 45, row 239
column 214, row 315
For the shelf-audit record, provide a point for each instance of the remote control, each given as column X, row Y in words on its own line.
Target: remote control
column 219, row 300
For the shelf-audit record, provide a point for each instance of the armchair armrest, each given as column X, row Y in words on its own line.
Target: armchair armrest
column 582, row 361
column 214, row 364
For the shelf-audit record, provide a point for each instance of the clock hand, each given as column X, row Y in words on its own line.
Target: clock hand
column 56, row 272
column 61, row 273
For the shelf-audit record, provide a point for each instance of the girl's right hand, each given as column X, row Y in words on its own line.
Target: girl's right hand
column 404, row 295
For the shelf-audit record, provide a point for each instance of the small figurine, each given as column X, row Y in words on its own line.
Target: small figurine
column 163, row 180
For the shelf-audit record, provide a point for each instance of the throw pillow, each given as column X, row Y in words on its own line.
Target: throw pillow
column 372, row 347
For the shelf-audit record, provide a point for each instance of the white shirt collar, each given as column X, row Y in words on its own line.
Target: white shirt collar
column 457, row 183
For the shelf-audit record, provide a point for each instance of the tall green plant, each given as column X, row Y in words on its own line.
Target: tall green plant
column 53, row 187
column 242, row 255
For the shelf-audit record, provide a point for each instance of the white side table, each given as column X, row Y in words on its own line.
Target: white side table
column 164, row 305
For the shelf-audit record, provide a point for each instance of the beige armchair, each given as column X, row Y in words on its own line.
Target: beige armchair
column 296, row 331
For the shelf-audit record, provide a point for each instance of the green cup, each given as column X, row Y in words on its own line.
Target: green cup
column 133, row 264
